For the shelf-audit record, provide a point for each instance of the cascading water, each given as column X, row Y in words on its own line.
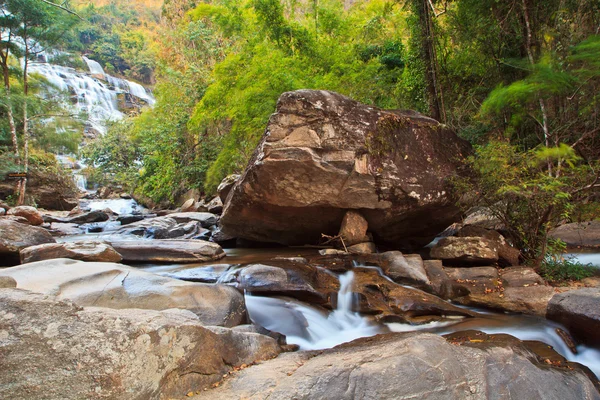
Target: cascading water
column 94, row 93
column 312, row 328
column 309, row 327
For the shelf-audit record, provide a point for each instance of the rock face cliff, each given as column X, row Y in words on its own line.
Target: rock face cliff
column 323, row 154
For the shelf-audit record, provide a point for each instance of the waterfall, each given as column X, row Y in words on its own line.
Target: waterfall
column 310, row 327
column 94, row 92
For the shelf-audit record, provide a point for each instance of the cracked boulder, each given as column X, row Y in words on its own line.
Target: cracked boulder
column 413, row 366
column 323, row 154
column 119, row 286
column 53, row 349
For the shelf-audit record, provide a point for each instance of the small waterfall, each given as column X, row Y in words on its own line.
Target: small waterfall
column 309, row 327
column 94, row 66
column 80, row 181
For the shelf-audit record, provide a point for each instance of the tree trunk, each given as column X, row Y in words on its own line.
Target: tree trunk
column 428, row 56
column 529, row 49
column 23, row 185
column 9, row 111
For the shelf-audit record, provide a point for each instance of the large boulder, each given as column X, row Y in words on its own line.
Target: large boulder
column 578, row 310
column 15, row 236
column 413, row 366
column 323, row 154
column 465, row 251
column 583, row 234
column 32, row 215
column 119, row 286
column 84, row 251
column 52, row 349
column 168, row 250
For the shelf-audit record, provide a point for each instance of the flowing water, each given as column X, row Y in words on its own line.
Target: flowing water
column 313, row 328
column 310, row 327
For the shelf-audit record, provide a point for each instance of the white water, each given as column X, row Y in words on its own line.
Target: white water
column 94, row 93
column 119, row 206
column 309, row 327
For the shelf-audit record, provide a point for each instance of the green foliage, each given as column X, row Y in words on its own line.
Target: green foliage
column 517, row 189
column 113, row 157
column 557, row 268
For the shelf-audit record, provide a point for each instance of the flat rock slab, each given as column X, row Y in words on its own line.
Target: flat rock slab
column 579, row 311
column 119, row 286
column 407, row 366
column 584, row 234
column 84, row 251
column 85, row 218
column 168, row 250
column 53, row 349
column 15, row 236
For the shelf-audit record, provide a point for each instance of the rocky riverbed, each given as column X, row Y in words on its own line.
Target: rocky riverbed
column 111, row 300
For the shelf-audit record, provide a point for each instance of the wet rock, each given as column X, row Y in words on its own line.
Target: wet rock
column 323, row 154
column 354, row 228
column 118, row 286
column 406, row 270
column 290, row 278
column 579, row 311
column 391, row 302
column 206, row 219
column 205, row 274
column 363, row 248
column 85, row 218
column 172, row 226
column 226, row 185
column 215, row 206
column 2, row 211
column 485, row 288
column 7, row 282
column 584, row 234
column 409, row 366
column 129, row 219
column 465, row 251
column 84, row 251
column 168, row 250
column 56, row 350
column 15, row 236
column 440, row 283
column 32, row 215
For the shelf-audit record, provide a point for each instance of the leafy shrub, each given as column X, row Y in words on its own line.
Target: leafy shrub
column 559, row 269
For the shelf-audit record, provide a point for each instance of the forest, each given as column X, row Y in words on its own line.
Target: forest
column 519, row 79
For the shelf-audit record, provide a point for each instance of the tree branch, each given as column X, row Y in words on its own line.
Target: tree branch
column 63, row 8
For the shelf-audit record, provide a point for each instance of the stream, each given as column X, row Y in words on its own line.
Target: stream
column 311, row 327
